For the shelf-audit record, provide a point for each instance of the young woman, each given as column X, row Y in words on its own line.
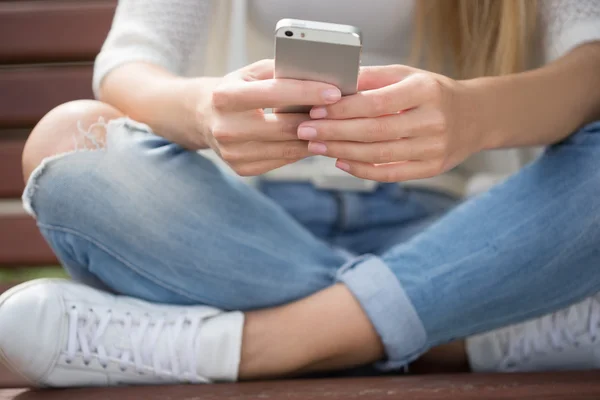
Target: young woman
column 327, row 272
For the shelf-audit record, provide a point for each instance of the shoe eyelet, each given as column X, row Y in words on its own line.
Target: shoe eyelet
column 68, row 361
column 86, row 363
column 123, row 369
column 104, row 366
column 73, row 307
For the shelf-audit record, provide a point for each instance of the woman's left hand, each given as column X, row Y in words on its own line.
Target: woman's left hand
column 404, row 124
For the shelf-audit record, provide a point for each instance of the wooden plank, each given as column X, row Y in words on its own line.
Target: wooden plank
column 546, row 386
column 11, row 176
column 22, row 244
column 4, row 287
column 50, row 31
column 14, row 134
column 29, row 93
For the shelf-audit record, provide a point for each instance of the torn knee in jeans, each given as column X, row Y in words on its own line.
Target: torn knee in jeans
column 96, row 137
column 92, row 138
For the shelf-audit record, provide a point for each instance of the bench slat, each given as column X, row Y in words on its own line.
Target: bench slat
column 555, row 385
column 11, row 177
column 22, row 244
column 29, row 93
column 4, row 287
column 50, row 31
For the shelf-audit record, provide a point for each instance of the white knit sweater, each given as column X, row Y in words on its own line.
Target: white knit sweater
column 213, row 37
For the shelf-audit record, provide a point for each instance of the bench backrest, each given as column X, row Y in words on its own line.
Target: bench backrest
column 47, row 48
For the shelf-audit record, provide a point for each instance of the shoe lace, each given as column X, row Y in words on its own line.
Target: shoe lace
column 553, row 332
column 141, row 342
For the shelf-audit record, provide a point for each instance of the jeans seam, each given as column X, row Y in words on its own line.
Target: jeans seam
column 476, row 327
column 124, row 261
column 525, row 221
column 488, row 245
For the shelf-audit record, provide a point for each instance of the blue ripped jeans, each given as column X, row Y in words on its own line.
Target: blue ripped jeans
column 148, row 219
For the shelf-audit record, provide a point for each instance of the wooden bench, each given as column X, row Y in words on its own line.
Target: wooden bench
column 549, row 386
column 46, row 52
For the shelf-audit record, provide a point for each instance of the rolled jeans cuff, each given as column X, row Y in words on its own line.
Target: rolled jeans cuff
column 391, row 312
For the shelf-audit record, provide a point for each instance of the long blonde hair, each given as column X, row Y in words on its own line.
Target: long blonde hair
column 480, row 37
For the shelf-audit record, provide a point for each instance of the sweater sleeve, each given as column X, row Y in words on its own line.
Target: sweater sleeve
column 567, row 24
column 161, row 32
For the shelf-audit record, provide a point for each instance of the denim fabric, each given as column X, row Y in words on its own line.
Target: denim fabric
column 146, row 218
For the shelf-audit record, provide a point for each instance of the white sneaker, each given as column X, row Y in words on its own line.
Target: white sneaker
column 568, row 339
column 60, row 333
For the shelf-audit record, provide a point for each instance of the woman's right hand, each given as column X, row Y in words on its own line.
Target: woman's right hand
column 250, row 141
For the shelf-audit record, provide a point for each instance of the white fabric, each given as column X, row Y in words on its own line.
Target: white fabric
column 568, row 339
column 566, row 24
column 213, row 37
column 75, row 335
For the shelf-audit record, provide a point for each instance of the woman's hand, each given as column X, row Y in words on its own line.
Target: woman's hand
column 404, row 124
column 246, row 138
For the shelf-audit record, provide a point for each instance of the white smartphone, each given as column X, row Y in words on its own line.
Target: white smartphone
column 318, row 51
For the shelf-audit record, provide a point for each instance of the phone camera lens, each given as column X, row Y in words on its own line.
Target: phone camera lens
column 289, row 33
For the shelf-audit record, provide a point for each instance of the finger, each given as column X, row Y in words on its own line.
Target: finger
column 260, row 167
column 400, row 96
column 239, row 95
column 259, row 127
column 381, row 152
column 237, row 153
column 415, row 122
column 380, row 76
column 396, row 172
column 260, row 70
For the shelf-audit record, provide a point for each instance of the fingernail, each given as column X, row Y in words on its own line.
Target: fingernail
column 343, row 166
column 317, row 148
column 307, row 133
column 331, row 95
column 318, row 112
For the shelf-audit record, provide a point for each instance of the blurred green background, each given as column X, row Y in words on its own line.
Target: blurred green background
column 10, row 275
